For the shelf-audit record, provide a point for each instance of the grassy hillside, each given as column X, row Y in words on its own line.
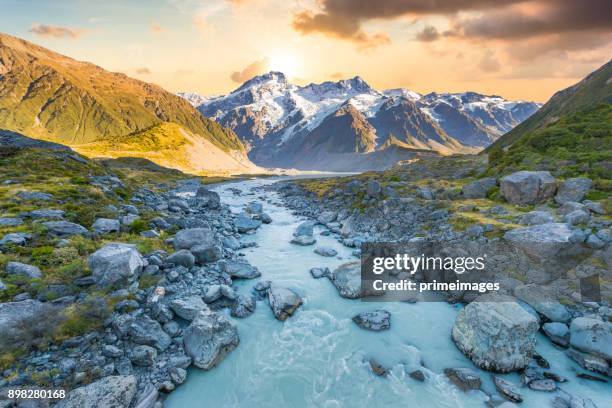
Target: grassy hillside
column 49, row 96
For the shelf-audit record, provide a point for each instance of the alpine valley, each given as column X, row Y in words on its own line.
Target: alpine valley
column 349, row 126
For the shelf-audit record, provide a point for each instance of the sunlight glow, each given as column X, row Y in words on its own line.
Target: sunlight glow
column 285, row 63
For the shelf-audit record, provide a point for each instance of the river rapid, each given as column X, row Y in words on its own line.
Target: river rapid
column 319, row 357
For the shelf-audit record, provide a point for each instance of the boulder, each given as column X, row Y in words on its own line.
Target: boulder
column 536, row 218
column 569, row 207
column 495, row 333
column 64, row 229
column 239, row 270
column 464, row 378
column 15, row 238
column 208, row 198
column 557, row 332
column 573, row 189
column 190, row 237
column 479, row 188
column 538, row 298
column 254, row 208
column 528, row 187
column 116, row 263
column 128, row 219
column 244, row 223
column 14, row 316
column 113, row 391
column 373, row 188
column 144, row 330
column 143, row 356
column 318, row 273
column 209, row 338
column 327, row 217
column 303, row 240
column 34, row 196
column 283, row 301
column 244, row 306
column 589, row 361
column 325, row 251
column 592, row 336
column 46, row 213
column 206, row 253
column 265, row 218
column 577, row 217
column 507, row 389
column 23, row 270
column 305, row 228
column 347, row 279
column 106, row 225
column 182, row 257
column 425, row 193
column 188, row 307
column 10, row 221
column 376, row 320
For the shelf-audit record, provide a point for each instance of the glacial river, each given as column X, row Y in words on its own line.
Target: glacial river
column 319, row 357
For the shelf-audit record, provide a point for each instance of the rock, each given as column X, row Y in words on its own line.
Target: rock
column 495, row 334
column 417, row 375
column 303, row 240
column 537, row 297
column 318, row 273
column 34, row 196
column 507, row 389
column 591, row 377
column 244, row 306
column 46, row 213
column 112, row 392
column 129, row 219
column 528, row 187
column 2, row 286
column 130, row 209
column 239, row 270
column 283, row 301
column 573, row 189
column 10, row 221
column 64, row 229
column 254, row 208
column 209, row 338
column 182, row 257
column 305, row 228
column 376, row 320
column 347, row 280
column 206, row 253
column 579, row 402
column 464, row 378
column 265, row 218
column 15, row 238
column 325, row 251
column 373, row 188
column 111, row 351
column 15, row 316
column 23, row 270
column 425, row 193
column 188, row 307
column 106, row 225
column 378, row 368
column 149, row 234
column 594, row 207
column 207, row 198
column 327, row 217
column 593, row 241
column 231, row 242
column 143, row 356
column 588, row 361
column 479, row 188
column 146, row 331
column 116, row 264
column 536, row 218
column 577, row 217
column 558, row 333
column 190, row 237
column 244, row 224
column 545, row 385
column 592, row 336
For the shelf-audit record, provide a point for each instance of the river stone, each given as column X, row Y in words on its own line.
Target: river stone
column 206, row 253
column 347, row 279
column 325, row 251
column 190, row 237
column 144, row 330
column 557, row 332
column 327, row 217
column 207, row 198
column 24, row 270
column 464, row 378
column 254, row 208
column 479, row 188
column 182, row 257
column 112, row 392
column 10, row 221
column 589, row 361
column 303, row 240
column 376, row 320
column 64, row 229
column 188, row 307
column 244, row 223
column 305, row 228
column 283, row 301
column 231, row 243
column 573, row 189
column 239, row 270
column 116, row 263
column 537, row 297
column 495, row 333
column 209, row 338
column 507, row 389
column 143, row 356
column 106, row 225
column 318, row 273
column 244, row 306
column 14, row 316
column 592, row 336
column 536, row 218
column 528, row 187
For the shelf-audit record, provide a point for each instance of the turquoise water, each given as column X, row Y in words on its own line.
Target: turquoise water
column 319, row 357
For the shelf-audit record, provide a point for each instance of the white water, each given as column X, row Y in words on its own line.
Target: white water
column 318, row 357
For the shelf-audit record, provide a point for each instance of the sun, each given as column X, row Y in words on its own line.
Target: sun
column 285, row 63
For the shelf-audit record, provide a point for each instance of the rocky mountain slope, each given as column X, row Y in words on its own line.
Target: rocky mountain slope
column 273, row 117
column 52, row 97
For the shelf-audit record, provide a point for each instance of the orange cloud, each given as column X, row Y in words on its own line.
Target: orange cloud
column 143, row 71
column 50, row 31
column 251, row 70
column 156, row 28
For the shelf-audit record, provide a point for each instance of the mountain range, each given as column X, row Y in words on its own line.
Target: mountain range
column 52, row 97
column 349, row 126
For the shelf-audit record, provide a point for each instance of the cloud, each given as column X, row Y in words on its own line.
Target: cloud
column 251, row 70
column 50, row 31
column 156, row 28
column 143, row 71
column 489, row 63
column 428, row 34
column 337, row 75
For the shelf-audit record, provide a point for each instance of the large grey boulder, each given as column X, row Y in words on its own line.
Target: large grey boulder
column 24, row 270
column 106, row 225
column 303, row 240
column 14, row 316
column 112, row 392
column 116, row 263
column 144, row 330
column 573, row 189
column 347, row 279
column 528, row 187
column 557, row 332
column 254, row 208
column 479, row 188
column 64, row 229
column 244, row 223
column 305, row 228
column 244, row 306
column 538, row 298
column 10, row 221
column 207, row 253
column 376, row 320
column 327, row 217
column 188, row 307
column 182, row 257
column 209, row 338
column 496, row 333
column 239, row 270
column 208, row 198
column 46, row 213
column 143, row 355
column 190, row 237
column 592, row 336
column 15, row 238
column 283, row 301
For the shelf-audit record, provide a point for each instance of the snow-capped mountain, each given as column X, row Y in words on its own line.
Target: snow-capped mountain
column 279, row 121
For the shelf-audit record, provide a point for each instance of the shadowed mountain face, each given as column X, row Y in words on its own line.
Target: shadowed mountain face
column 14, row 139
column 276, row 119
column 52, row 97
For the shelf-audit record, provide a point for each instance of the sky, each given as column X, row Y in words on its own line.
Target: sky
column 519, row 49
